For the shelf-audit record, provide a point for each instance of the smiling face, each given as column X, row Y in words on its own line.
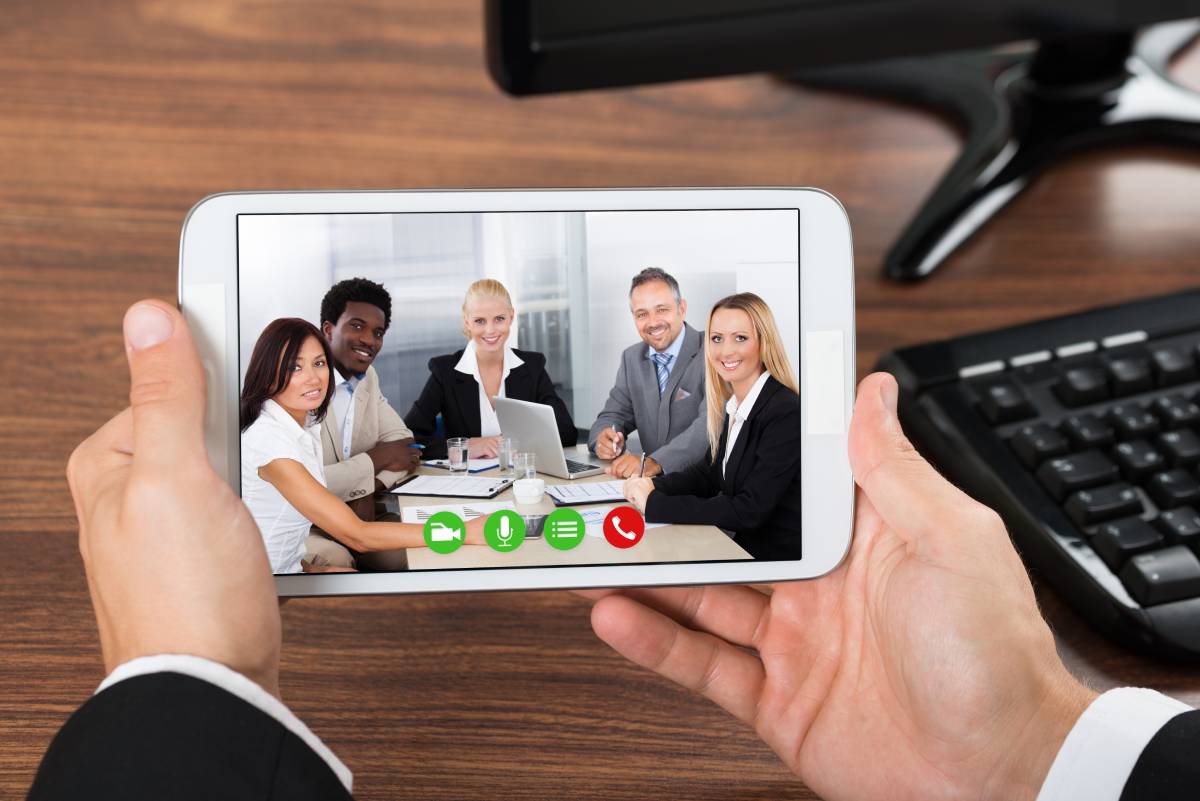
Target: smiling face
column 658, row 318
column 308, row 380
column 356, row 337
column 733, row 347
column 488, row 320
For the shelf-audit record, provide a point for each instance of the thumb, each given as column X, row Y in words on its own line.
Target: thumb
column 166, row 386
column 906, row 491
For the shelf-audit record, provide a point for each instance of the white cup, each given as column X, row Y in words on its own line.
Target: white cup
column 528, row 490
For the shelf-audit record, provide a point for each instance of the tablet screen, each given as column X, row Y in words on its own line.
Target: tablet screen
column 403, row 374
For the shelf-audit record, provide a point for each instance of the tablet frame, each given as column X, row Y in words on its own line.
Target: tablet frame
column 209, row 300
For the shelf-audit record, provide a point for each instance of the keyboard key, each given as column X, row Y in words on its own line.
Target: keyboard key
column 1182, row 447
column 1130, row 374
column 1068, row 474
column 1138, row 459
column 1173, row 488
column 1181, row 526
column 1159, row 577
column 1088, row 431
column 1131, row 420
column 1117, row 541
column 1082, row 385
column 1172, row 366
column 1003, row 401
column 1091, row 506
column 1036, row 443
column 1175, row 411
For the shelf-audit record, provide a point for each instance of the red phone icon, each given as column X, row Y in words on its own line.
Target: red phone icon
column 624, row 527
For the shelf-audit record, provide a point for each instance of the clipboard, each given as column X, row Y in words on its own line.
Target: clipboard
column 452, row 486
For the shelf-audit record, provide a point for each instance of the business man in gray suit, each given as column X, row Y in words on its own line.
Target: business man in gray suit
column 659, row 389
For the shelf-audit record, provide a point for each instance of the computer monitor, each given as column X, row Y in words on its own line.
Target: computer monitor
column 1094, row 73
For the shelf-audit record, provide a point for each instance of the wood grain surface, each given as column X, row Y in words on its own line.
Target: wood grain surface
column 116, row 117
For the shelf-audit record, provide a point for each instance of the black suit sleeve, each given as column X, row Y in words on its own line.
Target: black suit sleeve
column 700, row 478
column 775, row 464
column 1168, row 769
column 543, row 392
column 167, row 735
column 422, row 415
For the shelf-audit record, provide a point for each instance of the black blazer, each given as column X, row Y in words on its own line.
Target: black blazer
column 455, row 396
column 167, row 735
column 1168, row 769
column 758, row 497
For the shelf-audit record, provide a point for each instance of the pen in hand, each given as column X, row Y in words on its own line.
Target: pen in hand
column 642, row 467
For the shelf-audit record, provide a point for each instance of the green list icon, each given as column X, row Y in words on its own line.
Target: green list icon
column 444, row 532
column 504, row 530
column 563, row 529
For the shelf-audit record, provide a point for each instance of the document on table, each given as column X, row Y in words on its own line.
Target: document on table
column 466, row 511
column 473, row 465
column 593, row 520
column 453, row 486
column 590, row 492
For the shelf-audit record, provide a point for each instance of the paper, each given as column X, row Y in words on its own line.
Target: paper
column 589, row 492
column 593, row 519
column 458, row 486
column 419, row 514
column 473, row 465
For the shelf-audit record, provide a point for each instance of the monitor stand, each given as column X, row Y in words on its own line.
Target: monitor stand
column 1022, row 111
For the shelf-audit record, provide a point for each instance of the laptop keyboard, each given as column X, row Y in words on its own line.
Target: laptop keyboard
column 580, row 467
column 1084, row 432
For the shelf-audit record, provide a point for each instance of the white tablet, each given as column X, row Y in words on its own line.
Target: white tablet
column 652, row 313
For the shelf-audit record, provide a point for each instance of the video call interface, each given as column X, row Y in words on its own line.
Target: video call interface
column 430, row 391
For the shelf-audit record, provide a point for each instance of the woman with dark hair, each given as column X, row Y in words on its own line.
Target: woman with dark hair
column 284, row 398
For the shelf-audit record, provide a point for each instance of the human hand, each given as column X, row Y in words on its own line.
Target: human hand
column 483, row 447
column 919, row 668
column 396, row 456
column 628, row 465
column 610, row 443
column 175, row 564
column 637, row 490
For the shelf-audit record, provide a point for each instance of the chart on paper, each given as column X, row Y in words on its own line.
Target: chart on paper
column 467, row 511
column 590, row 492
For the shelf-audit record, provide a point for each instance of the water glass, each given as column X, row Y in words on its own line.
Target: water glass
column 456, row 454
column 525, row 465
column 505, row 454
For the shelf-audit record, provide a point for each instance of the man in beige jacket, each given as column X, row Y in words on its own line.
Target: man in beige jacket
column 367, row 447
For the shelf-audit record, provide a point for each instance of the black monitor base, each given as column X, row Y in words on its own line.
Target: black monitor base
column 1021, row 112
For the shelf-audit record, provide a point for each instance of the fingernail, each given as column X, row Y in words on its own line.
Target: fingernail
column 889, row 392
column 147, row 326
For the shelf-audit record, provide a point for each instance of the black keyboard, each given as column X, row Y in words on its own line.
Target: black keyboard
column 580, row 467
column 1083, row 432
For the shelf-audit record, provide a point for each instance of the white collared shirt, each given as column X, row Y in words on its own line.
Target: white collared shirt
column 738, row 414
column 275, row 435
column 342, row 407
column 489, row 424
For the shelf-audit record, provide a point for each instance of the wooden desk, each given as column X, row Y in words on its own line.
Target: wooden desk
column 661, row 544
column 116, row 117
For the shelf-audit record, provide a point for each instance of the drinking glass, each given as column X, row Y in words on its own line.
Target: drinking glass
column 456, row 454
column 506, row 452
column 525, row 465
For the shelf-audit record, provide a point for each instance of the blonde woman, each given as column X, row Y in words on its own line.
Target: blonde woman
column 750, row 483
column 462, row 385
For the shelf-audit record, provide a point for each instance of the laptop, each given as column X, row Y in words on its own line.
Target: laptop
column 534, row 428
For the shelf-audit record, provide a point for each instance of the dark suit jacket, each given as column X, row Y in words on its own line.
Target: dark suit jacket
column 758, row 497
column 455, row 396
column 1168, row 769
column 171, row 736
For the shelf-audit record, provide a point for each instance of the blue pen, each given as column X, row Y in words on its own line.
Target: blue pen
column 416, row 445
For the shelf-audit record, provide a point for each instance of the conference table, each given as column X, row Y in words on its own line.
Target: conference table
column 117, row 117
column 670, row 543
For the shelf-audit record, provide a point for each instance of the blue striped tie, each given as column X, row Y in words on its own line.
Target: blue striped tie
column 661, row 360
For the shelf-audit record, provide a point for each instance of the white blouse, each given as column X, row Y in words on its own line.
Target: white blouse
column 738, row 414
column 489, row 423
column 276, row 435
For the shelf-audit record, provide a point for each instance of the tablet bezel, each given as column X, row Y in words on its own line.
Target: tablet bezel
column 208, row 298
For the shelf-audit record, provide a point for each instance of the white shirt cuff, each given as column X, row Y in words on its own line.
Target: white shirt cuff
column 1101, row 749
column 233, row 682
